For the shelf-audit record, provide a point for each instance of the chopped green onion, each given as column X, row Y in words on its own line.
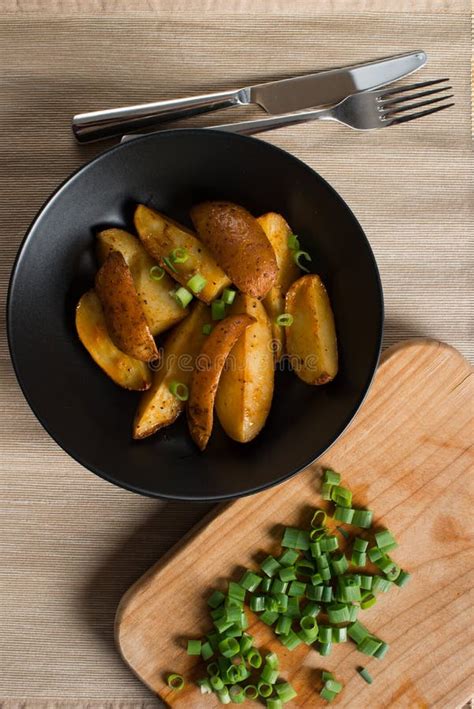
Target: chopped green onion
column 213, row 669
column 327, row 694
column 381, row 584
column 312, row 609
column 269, row 617
column 341, row 496
column 196, row 283
column 288, row 557
column 315, row 549
column 367, row 601
column 156, row 273
column 358, row 558
column 325, row 649
column 179, row 255
column 326, row 491
column 269, row 675
column 366, row 582
column 179, row 390
column 237, row 694
column 329, row 543
column 338, row 613
column 381, row 651
column 325, row 634
column 293, row 242
column 357, row 632
column 288, row 574
column 207, row 329
column 339, row 564
column 365, row 674
column 385, row 540
column 274, row 703
column 353, row 611
column 251, row 691
column 297, row 588
column 316, row 579
column 271, row 604
column 236, row 591
column 331, row 477
column 360, row 545
column 342, row 531
column 278, row 586
column 295, row 539
column 283, row 626
column 266, row 584
column 344, row 514
column 318, row 520
column 264, row 689
column 374, row 554
column 175, row 681
column 272, row 660
column 218, row 309
column 246, row 643
column 339, row 635
column 221, row 625
column 314, row 593
column 229, row 647
column 204, row 685
column 290, row 641
column 206, row 651
column 298, row 255
column 309, row 628
column 228, row 296
column 270, row 566
column 362, row 518
column 334, row 686
column 215, row 599
column 369, row 645
column 403, row 578
column 250, row 581
column 223, row 696
column 285, row 692
column 282, row 602
column 284, row 320
column 325, row 675
column 182, row 296
column 169, row 263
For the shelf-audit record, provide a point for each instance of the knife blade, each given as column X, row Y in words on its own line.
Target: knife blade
column 283, row 96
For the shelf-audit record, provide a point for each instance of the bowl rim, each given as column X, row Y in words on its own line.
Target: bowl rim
column 136, row 488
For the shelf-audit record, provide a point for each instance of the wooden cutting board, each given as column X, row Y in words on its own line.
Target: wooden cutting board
column 407, row 457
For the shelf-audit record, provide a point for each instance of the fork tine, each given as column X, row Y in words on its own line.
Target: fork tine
column 400, row 109
column 414, row 116
column 401, row 89
column 410, row 97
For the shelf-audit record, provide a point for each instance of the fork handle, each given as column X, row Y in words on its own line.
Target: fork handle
column 285, row 119
column 117, row 121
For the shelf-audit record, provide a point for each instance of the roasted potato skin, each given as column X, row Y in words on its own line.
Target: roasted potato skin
column 124, row 370
column 278, row 231
column 126, row 322
column 160, row 309
column 239, row 245
column 207, row 372
column 160, row 235
column 158, row 407
column 311, row 339
column 245, row 390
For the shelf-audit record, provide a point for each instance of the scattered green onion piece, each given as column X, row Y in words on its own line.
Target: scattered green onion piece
column 374, row 554
column 233, row 614
column 246, row 643
column 357, row 632
column 233, row 674
column 344, row 532
column 206, row 651
column 269, row 675
column 215, row 599
column 224, row 696
column 266, row 585
column 228, row 296
column 293, row 242
column 179, row 390
column 362, row 518
column 314, row 593
column 327, row 694
column 167, row 261
column 284, row 320
column 285, row 692
column 369, row 645
column 353, row 611
column 344, row 514
column 334, row 686
column 316, row 579
column 237, row 694
column 325, row 675
column 218, row 309
column 358, row 558
column 325, row 649
column 251, row 691
column 339, row 635
column 221, row 625
column 329, row 543
column 229, row 647
column 322, row 562
column 403, row 578
column 283, row 626
column 236, row 591
column 274, row 703
column 366, row 582
column 250, row 581
column 309, row 628
column 179, row 255
column 327, row 594
column 270, row 566
column 381, row 651
column 331, row 477
column 326, row 491
column 182, row 296
column 295, row 539
column 194, row 647
column 156, row 273
column 385, row 540
column 216, row 683
column 272, row 660
column 213, row 669
column 338, row 613
column 381, row 584
column 207, row 329
column 288, row 557
column 271, row 604
column 339, row 564
column 365, row 675
column 257, row 604
column 264, row 689
column 175, row 681
column 325, row 634
column 213, row 639
column 269, row 617
column 367, row 601
column 288, row 574
column 304, row 567
column 318, row 520
column 297, row 588
column 196, row 283
column 204, row 685
column 298, row 255
column 282, row 602
column 278, row 586
column 290, row 641
column 312, row 609
column 315, row 549
column 341, row 496
column 360, row 545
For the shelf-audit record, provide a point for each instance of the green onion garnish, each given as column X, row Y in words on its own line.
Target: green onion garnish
column 194, row 647
column 285, row 692
column 179, row 255
column 237, row 694
column 182, row 296
column 254, row 658
column 207, row 329
column 251, row 691
column 365, row 674
column 229, row 647
column 293, row 242
column 215, row 599
column 156, row 273
column 175, row 681
column 170, row 264
column 218, row 309
column 228, row 296
column 298, row 255
column 196, row 283
column 362, row 518
column 274, row 703
column 264, row 689
column 284, row 320
column 385, row 541
column 179, row 390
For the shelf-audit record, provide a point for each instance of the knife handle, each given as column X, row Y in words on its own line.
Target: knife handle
column 97, row 125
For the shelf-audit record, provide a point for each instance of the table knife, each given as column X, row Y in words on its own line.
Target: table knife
column 275, row 97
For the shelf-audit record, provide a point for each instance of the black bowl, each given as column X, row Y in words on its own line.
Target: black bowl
column 88, row 415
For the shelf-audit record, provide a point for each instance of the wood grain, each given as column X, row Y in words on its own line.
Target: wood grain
column 407, row 457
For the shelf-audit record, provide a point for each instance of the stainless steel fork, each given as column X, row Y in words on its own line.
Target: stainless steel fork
column 368, row 110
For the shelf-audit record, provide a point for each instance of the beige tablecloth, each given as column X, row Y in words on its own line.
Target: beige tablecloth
column 70, row 543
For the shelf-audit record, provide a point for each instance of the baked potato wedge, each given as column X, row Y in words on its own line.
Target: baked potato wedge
column 126, row 322
column 311, row 340
column 245, row 390
column 125, row 371
column 277, row 231
column 158, row 407
column 207, row 372
column 160, row 235
column 160, row 309
column 239, row 245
